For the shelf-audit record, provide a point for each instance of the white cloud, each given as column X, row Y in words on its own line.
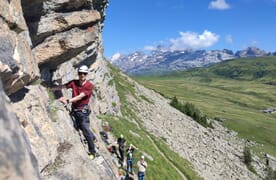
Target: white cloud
column 254, row 43
column 115, row 57
column 219, row 4
column 194, row 40
column 149, row 48
column 229, row 39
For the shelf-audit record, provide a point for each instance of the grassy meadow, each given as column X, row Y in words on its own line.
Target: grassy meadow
column 164, row 160
column 234, row 91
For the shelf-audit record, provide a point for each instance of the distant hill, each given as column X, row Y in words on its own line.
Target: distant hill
column 162, row 60
column 261, row 69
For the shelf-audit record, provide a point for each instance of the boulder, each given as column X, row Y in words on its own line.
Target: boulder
column 59, row 22
column 18, row 65
column 16, row 158
column 61, row 47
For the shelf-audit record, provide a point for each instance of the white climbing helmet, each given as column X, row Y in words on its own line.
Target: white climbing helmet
column 83, row 69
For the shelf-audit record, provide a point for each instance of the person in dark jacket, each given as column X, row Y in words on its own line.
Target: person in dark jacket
column 121, row 142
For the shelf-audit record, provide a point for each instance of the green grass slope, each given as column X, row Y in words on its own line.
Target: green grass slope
column 234, row 91
column 166, row 164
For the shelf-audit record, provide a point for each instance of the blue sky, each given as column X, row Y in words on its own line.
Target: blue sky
column 132, row 25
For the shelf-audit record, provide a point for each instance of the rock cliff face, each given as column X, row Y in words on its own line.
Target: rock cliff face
column 42, row 42
column 18, row 65
column 16, row 158
column 45, row 41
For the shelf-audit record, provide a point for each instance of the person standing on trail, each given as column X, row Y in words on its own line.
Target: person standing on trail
column 142, row 165
column 130, row 158
column 81, row 92
column 121, row 142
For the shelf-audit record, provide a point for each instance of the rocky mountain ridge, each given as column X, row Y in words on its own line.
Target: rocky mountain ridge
column 37, row 139
column 163, row 60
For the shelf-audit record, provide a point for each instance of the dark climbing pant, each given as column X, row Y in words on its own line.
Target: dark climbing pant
column 121, row 151
column 83, row 123
column 141, row 175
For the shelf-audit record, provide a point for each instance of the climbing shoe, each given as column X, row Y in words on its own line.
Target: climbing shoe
column 91, row 156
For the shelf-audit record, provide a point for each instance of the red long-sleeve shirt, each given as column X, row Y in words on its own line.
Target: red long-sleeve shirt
column 86, row 88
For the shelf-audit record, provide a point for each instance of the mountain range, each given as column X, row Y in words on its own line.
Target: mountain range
column 162, row 60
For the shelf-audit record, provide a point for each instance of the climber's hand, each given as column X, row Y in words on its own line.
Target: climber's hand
column 62, row 100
